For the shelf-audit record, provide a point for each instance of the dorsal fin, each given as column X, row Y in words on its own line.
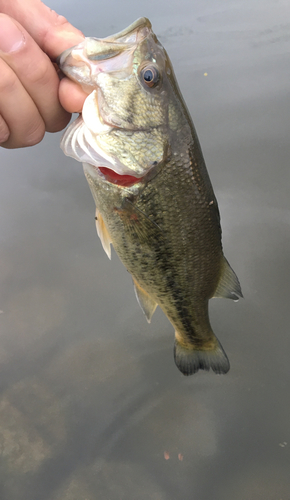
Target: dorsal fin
column 103, row 233
column 147, row 304
column 229, row 286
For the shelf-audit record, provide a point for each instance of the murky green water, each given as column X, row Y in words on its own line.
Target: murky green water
column 92, row 406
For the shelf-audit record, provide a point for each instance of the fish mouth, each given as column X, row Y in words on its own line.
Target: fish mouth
column 125, row 35
column 84, row 62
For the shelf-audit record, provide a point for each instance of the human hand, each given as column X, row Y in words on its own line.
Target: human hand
column 32, row 99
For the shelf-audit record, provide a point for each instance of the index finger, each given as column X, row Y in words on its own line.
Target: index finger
column 52, row 32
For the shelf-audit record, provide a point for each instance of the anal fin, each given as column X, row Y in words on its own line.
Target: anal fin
column 147, row 304
column 229, row 286
column 103, row 233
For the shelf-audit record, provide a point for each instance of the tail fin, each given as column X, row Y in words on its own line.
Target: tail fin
column 189, row 360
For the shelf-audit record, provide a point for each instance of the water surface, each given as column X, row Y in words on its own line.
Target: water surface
column 92, row 405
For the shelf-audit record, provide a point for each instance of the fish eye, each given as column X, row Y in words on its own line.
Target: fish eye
column 150, row 76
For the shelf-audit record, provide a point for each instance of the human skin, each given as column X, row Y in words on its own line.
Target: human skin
column 32, row 99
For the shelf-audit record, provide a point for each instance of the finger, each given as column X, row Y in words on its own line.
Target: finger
column 52, row 32
column 18, row 111
column 71, row 96
column 34, row 70
column 4, row 130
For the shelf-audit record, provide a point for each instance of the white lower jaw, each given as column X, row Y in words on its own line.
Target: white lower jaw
column 91, row 115
column 79, row 143
column 79, row 140
column 94, row 172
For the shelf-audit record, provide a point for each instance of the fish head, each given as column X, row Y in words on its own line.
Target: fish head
column 133, row 106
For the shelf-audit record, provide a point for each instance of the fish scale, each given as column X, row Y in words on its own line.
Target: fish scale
column 175, row 283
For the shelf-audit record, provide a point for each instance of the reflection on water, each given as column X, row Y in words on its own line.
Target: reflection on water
column 92, row 405
column 33, row 426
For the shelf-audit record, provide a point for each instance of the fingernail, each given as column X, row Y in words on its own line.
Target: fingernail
column 11, row 38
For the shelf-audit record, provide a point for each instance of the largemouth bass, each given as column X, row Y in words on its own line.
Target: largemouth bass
column 154, row 199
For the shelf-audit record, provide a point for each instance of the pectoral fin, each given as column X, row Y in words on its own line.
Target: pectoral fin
column 137, row 223
column 229, row 286
column 103, row 234
column 147, row 304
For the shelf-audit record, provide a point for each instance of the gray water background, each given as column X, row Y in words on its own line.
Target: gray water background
column 92, row 406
